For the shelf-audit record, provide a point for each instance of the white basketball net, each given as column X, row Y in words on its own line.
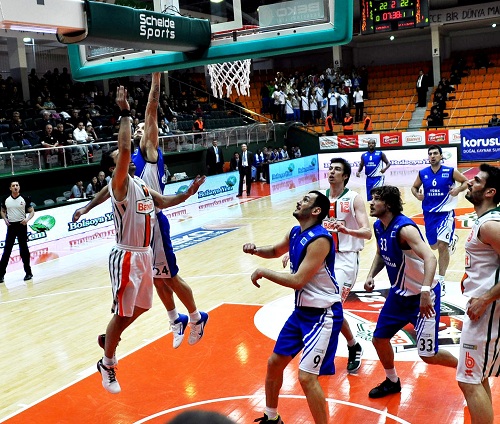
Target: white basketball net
column 230, row 74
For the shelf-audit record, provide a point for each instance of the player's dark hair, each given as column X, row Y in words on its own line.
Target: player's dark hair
column 347, row 168
column 322, row 202
column 107, row 161
column 493, row 180
column 435, row 147
column 391, row 196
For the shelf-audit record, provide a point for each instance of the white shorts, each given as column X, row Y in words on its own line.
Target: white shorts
column 479, row 344
column 346, row 271
column 131, row 273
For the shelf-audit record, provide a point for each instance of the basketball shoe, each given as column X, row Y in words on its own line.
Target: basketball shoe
column 198, row 329
column 354, row 359
column 265, row 419
column 387, row 387
column 178, row 328
column 108, row 375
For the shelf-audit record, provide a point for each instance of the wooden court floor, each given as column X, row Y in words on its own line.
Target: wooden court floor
column 48, row 334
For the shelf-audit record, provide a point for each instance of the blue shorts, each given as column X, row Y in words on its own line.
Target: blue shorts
column 398, row 311
column 315, row 332
column 372, row 182
column 439, row 226
column 164, row 260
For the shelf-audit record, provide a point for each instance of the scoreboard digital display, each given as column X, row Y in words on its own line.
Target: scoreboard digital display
column 391, row 15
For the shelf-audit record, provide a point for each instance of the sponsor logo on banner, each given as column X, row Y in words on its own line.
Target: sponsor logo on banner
column 330, row 142
column 464, row 218
column 364, row 139
column 416, row 138
column 454, row 136
column 480, row 144
column 196, row 236
column 390, row 140
column 347, row 141
column 437, row 137
column 286, row 170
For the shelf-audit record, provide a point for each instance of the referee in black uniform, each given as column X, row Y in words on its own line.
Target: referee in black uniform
column 13, row 210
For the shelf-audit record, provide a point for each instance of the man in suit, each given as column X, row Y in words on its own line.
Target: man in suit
column 215, row 159
column 422, row 87
column 245, row 168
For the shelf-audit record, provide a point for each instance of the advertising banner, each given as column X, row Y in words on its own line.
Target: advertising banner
column 328, row 142
column 348, row 141
column 215, row 186
column 363, row 140
column 480, row 144
column 294, row 168
column 392, row 139
column 52, row 224
column 437, row 137
column 405, row 164
column 414, row 138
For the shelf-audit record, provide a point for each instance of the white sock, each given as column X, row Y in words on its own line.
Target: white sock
column 351, row 342
column 440, row 278
column 392, row 375
column 194, row 316
column 108, row 362
column 271, row 413
column 173, row 315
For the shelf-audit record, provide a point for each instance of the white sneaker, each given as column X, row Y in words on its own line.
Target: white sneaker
column 178, row 328
column 453, row 244
column 109, row 381
column 198, row 329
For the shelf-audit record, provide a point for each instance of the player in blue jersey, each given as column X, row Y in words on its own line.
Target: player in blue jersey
column 315, row 323
column 439, row 199
column 373, row 161
column 414, row 296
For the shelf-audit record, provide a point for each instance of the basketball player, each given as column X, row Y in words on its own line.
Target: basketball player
column 148, row 159
column 481, row 330
column 414, row 296
column 314, row 325
column 130, row 261
column 372, row 161
column 438, row 202
column 348, row 223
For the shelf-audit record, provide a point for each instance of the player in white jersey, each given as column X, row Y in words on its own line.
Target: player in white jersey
column 439, row 198
column 149, row 163
column 348, row 223
column 130, row 262
column 479, row 342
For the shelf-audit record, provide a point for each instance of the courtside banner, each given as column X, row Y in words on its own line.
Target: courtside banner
column 214, row 186
column 328, row 142
column 347, row 141
column 404, row 163
column 480, row 144
column 414, row 138
column 364, row 139
column 293, row 168
column 393, row 139
column 437, row 137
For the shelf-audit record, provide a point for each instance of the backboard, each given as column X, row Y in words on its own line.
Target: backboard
column 240, row 29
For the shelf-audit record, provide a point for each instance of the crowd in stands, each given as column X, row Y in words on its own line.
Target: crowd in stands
column 309, row 97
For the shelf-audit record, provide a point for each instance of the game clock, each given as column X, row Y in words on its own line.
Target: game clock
column 391, row 15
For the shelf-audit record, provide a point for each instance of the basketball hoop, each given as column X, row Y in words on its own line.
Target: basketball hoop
column 232, row 75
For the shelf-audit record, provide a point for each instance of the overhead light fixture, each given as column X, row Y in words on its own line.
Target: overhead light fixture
column 27, row 40
column 494, row 25
column 216, row 1
column 391, row 38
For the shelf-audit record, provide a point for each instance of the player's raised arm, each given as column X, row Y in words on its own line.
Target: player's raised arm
column 124, row 154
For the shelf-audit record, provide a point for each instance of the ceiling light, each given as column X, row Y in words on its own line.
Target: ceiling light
column 494, row 25
column 27, row 40
column 216, row 1
column 391, row 37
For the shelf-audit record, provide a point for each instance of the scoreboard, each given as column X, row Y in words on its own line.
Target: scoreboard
column 391, row 15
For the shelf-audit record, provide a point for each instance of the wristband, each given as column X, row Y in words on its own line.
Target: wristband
column 425, row 289
column 125, row 112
